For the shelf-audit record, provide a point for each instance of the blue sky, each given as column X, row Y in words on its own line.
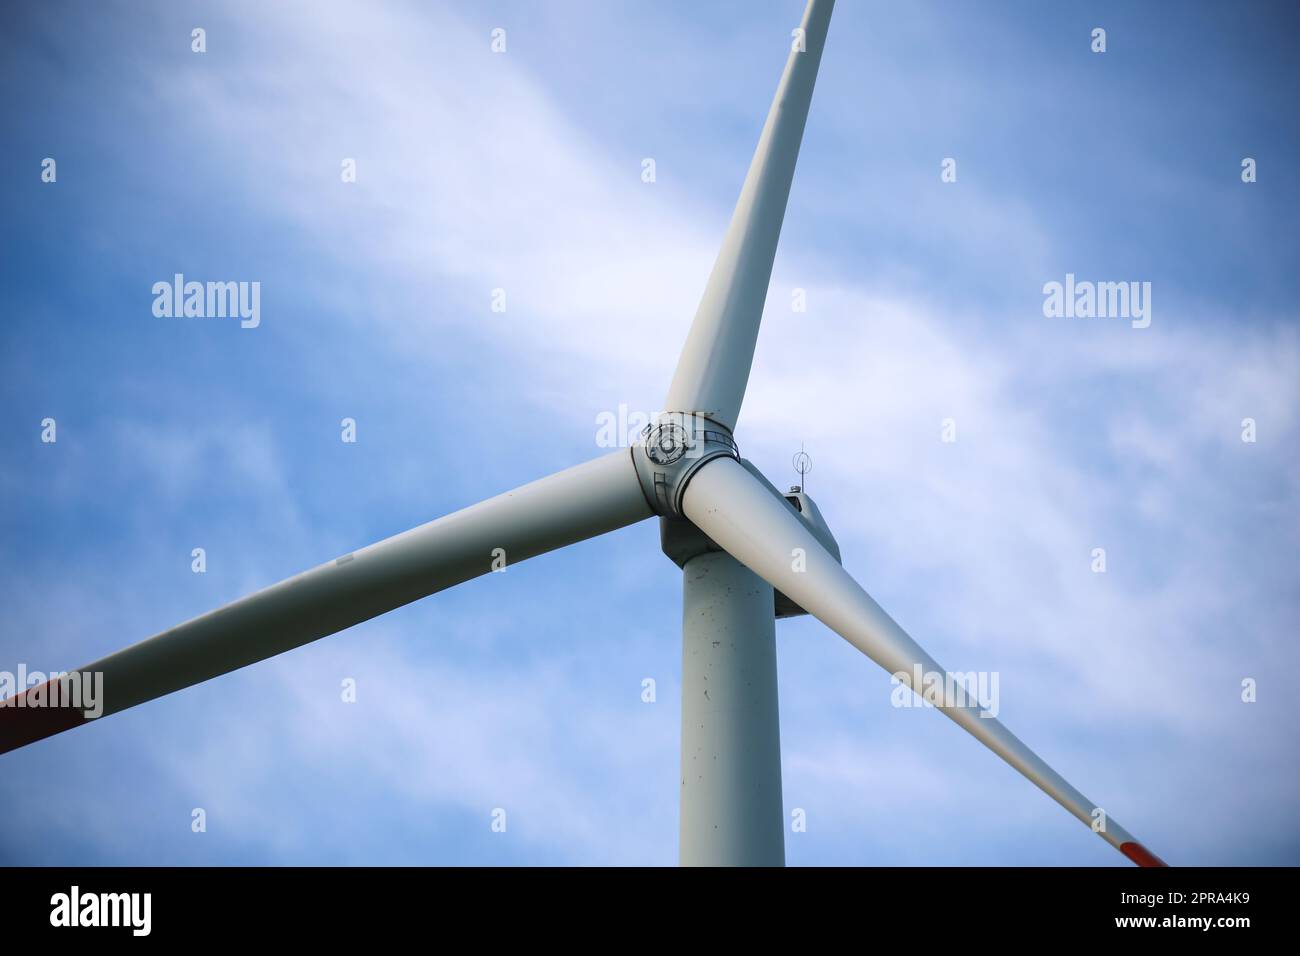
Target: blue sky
column 522, row 171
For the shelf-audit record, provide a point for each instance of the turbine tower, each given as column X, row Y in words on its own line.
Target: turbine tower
column 748, row 555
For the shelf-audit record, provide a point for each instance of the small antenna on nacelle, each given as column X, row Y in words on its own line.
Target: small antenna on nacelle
column 802, row 462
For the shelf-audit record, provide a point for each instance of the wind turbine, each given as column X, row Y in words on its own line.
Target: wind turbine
column 748, row 554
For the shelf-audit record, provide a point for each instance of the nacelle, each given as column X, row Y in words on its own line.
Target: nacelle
column 682, row 541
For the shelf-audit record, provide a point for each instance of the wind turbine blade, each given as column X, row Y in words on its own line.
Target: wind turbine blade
column 714, row 365
column 741, row 515
column 570, row 506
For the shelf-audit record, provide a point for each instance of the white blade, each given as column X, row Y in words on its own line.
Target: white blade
column 567, row 507
column 714, row 365
column 758, row 529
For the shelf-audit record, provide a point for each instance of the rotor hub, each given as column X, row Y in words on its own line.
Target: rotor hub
column 672, row 448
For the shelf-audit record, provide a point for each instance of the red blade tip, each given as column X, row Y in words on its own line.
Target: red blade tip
column 1141, row 855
